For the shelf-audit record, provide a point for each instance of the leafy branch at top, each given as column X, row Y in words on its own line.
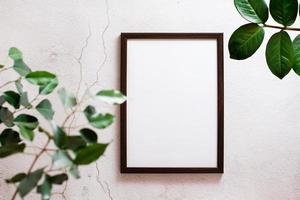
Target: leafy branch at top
column 71, row 149
column 282, row 54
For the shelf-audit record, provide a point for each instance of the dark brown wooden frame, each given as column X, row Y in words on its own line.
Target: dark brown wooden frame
column 123, row 143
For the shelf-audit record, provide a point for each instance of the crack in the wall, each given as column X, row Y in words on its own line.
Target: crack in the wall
column 98, row 178
column 107, row 10
column 108, row 190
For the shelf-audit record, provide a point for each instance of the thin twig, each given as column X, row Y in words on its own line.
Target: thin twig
column 6, row 68
column 281, row 27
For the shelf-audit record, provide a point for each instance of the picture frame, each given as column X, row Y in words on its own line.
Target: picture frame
column 172, row 121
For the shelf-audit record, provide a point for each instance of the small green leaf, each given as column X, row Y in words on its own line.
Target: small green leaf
column 296, row 45
column 90, row 154
column 45, row 109
column 101, row 121
column 19, row 86
column 74, row 143
column 1, row 66
column 111, row 96
column 62, row 159
column 6, row 117
column 89, row 111
column 20, row 67
column 279, row 54
column 59, row 136
column 255, row 11
column 9, row 136
column 59, row 178
column 29, row 182
column 28, row 134
column 27, row 121
column 74, row 171
column 89, row 135
column 2, row 100
column 24, row 100
column 68, row 99
column 45, row 189
column 284, row 11
column 12, row 98
column 46, row 80
column 16, row 178
column 245, row 41
column 15, row 53
column 11, row 149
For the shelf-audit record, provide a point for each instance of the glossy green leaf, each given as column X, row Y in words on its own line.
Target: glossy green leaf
column 6, row 117
column 28, row 134
column 279, row 54
column 59, row 136
column 2, row 66
column 89, row 111
column 2, row 100
column 255, row 11
column 29, row 182
column 62, row 159
column 296, row 64
column 59, row 178
column 74, row 171
column 11, row 149
column 9, row 136
column 111, row 96
column 15, row 54
column 46, row 80
column 74, row 143
column 101, row 121
column 21, row 68
column 45, row 189
column 24, row 100
column 89, row 135
column 68, row 99
column 16, row 178
column 245, row 41
column 27, row 121
column 45, row 109
column 90, row 154
column 284, row 11
column 12, row 98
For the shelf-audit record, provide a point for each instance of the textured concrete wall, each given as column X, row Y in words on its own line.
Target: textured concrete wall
column 262, row 113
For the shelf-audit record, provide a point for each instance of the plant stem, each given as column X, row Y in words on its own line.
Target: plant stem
column 281, row 27
column 6, row 68
column 33, row 163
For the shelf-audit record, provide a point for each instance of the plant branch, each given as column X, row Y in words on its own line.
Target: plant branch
column 8, row 82
column 6, row 68
column 281, row 27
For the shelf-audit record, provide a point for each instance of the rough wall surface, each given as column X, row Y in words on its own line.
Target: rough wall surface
column 262, row 113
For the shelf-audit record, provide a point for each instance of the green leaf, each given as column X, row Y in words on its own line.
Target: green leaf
column 284, row 11
column 15, row 53
column 11, row 149
column 74, row 143
column 59, row 136
column 20, row 67
column 27, row 121
column 74, row 171
column 19, row 86
column 90, row 154
column 101, row 121
column 6, row 117
column 24, row 100
column 46, row 80
column 29, row 182
column 111, row 96
column 28, row 134
column 89, row 135
column 68, row 99
column 12, row 98
column 16, row 178
column 59, row 178
column 89, row 111
column 1, row 66
column 255, row 11
column 2, row 100
column 279, row 54
column 245, row 41
column 9, row 136
column 45, row 189
column 45, row 109
column 296, row 45
column 62, row 159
